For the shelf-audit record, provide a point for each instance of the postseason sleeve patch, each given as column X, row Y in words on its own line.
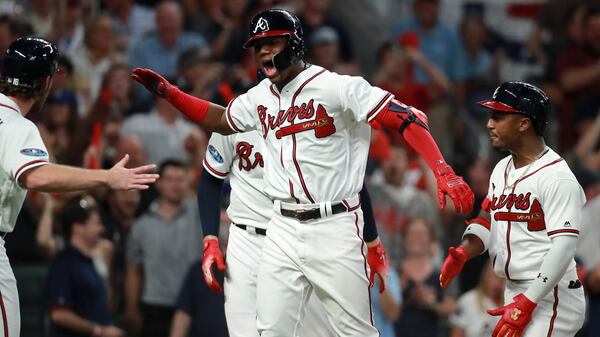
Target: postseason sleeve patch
column 215, row 154
column 33, row 152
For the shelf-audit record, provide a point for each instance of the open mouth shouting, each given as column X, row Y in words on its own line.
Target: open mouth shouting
column 268, row 68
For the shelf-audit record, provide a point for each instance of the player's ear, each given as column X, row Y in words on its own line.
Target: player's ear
column 525, row 123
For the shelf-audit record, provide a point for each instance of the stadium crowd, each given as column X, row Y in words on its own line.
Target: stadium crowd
column 136, row 255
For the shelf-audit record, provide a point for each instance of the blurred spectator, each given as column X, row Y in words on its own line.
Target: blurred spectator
column 159, row 50
column 94, row 59
column 314, row 14
column 387, row 305
column 68, row 26
column 131, row 145
column 116, row 80
column 12, row 28
column 42, row 17
column 118, row 218
column 227, row 45
column 52, row 240
column 396, row 201
column 549, row 35
column 325, row 52
column 588, row 250
column 481, row 72
column 438, row 42
column 78, row 301
column 203, row 77
column 162, row 245
column 131, row 21
column 163, row 132
column 470, row 318
column 425, row 303
column 59, row 121
column 586, row 150
column 5, row 33
column 200, row 312
column 201, row 16
column 578, row 70
column 396, row 75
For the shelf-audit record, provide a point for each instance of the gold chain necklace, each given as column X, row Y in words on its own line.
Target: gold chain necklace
column 511, row 186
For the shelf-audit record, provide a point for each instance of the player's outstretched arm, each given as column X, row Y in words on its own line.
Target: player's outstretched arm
column 376, row 255
column 62, row 178
column 412, row 125
column 209, row 201
column 210, row 115
column 474, row 243
column 516, row 315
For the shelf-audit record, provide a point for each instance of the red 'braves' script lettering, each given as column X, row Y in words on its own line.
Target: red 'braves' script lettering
column 244, row 151
column 323, row 126
column 520, row 201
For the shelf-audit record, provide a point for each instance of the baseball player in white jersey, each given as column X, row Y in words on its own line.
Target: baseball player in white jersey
column 315, row 125
column 28, row 67
column 529, row 222
column 239, row 156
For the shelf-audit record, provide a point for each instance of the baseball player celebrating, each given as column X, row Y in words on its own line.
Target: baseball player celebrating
column 529, row 222
column 314, row 124
column 240, row 157
column 28, row 66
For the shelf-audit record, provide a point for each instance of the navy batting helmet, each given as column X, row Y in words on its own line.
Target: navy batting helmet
column 522, row 98
column 28, row 60
column 279, row 22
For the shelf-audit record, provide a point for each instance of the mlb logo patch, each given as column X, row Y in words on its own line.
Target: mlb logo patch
column 215, row 154
column 33, row 152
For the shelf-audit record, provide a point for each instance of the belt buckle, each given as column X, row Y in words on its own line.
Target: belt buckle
column 301, row 214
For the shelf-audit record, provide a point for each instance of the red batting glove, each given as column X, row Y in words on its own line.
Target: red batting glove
column 454, row 186
column 453, row 264
column 515, row 317
column 153, row 82
column 212, row 254
column 379, row 264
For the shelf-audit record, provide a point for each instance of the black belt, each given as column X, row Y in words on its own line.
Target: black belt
column 310, row 214
column 259, row 231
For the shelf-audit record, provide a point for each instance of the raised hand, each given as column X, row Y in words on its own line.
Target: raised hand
column 122, row 178
column 452, row 265
column 153, row 82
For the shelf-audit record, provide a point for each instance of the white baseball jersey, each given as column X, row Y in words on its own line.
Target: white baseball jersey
column 529, row 206
column 315, row 130
column 239, row 156
column 21, row 149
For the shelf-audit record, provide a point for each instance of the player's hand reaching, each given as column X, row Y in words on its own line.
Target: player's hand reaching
column 448, row 183
column 121, row 178
column 212, row 255
column 153, row 82
column 453, row 264
column 379, row 264
column 515, row 317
